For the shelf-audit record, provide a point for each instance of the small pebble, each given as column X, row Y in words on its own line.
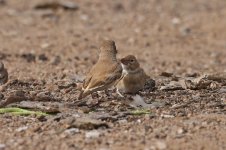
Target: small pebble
column 92, row 134
column 20, row 129
column 2, row 146
column 72, row 131
column 161, row 145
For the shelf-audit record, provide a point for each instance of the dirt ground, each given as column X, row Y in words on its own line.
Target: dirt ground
column 48, row 49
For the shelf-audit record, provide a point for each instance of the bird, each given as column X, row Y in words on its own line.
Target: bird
column 133, row 76
column 105, row 73
column 3, row 74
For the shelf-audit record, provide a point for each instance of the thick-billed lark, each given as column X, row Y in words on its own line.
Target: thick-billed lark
column 105, row 73
column 3, row 74
column 134, row 77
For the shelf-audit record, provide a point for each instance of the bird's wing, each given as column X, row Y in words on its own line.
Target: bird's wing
column 86, row 81
column 145, row 75
column 119, row 79
column 107, row 77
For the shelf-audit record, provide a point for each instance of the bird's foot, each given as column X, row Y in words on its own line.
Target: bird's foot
column 118, row 92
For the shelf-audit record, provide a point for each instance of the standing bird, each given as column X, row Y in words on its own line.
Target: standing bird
column 105, row 73
column 134, row 77
column 3, row 74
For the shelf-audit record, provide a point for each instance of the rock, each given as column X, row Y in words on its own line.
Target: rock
column 214, row 85
column 2, row 146
column 150, row 84
column 45, row 45
column 173, row 85
column 167, row 116
column 29, row 57
column 56, row 60
column 42, row 57
column 118, row 7
column 84, row 17
column 177, row 106
column 157, row 104
column 20, row 129
column 161, row 145
column 85, row 123
column 77, row 78
column 196, row 83
column 69, row 5
column 38, row 106
column 2, row 2
column 1, row 66
column 176, row 21
column 222, row 89
column 180, row 131
column 219, row 77
column 185, row 31
column 3, row 56
column 92, row 134
column 14, row 96
column 43, row 96
column 166, row 74
column 123, row 121
column 54, row 5
column 138, row 101
column 1, row 96
column 3, row 74
column 72, row 131
column 66, row 84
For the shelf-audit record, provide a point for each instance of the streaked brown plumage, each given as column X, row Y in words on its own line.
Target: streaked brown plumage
column 134, row 77
column 105, row 72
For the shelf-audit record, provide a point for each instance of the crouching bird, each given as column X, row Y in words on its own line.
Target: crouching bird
column 105, row 73
column 133, row 78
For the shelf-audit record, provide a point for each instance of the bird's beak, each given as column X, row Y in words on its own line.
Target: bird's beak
column 123, row 61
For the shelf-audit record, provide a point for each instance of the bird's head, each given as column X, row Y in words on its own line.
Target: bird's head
column 130, row 63
column 108, row 47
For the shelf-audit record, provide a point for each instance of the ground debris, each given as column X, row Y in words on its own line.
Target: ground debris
column 211, row 81
column 166, row 74
column 93, row 134
column 54, row 5
column 139, row 102
column 37, row 106
column 3, row 74
column 64, row 84
column 150, row 85
column 14, row 96
column 173, row 85
column 43, row 57
column 29, row 57
column 85, row 123
column 72, row 131
column 222, row 89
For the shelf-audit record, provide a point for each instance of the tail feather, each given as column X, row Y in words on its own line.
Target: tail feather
column 83, row 94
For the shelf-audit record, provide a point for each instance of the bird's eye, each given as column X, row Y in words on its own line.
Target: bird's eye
column 131, row 60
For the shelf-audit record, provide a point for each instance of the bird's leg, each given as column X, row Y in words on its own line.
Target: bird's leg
column 118, row 92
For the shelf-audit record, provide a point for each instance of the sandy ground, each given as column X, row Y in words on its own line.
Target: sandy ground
column 47, row 52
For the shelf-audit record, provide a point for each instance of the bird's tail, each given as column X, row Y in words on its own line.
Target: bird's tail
column 83, row 94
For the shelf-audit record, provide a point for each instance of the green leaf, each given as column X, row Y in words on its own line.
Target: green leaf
column 140, row 111
column 20, row 111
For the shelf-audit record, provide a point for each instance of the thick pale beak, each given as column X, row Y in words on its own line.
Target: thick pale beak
column 124, row 61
